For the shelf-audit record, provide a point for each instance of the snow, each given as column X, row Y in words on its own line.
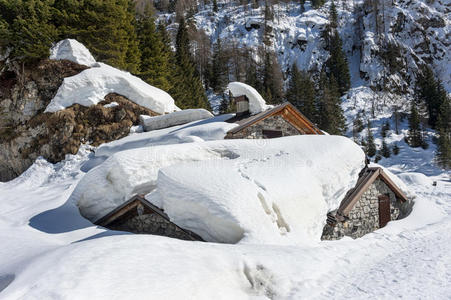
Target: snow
column 53, row 253
column 204, row 130
column 92, row 85
column 112, row 104
column 175, row 118
column 72, row 50
column 256, row 102
column 225, row 190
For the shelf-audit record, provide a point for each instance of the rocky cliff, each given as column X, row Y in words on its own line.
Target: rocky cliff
column 26, row 132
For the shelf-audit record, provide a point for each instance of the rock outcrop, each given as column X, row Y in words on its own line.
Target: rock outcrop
column 26, row 132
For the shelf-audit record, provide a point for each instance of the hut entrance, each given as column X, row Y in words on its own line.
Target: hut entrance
column 384, row 210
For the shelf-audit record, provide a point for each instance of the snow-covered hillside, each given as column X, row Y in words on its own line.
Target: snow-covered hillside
column 417, row 30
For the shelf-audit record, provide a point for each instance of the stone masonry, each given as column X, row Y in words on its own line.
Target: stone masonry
column 255, row 131
column 153, row 223
column 364, row 216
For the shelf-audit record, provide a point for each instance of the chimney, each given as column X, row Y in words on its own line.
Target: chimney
column 242, row 105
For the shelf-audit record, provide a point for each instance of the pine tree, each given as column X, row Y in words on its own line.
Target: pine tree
column 272, row 79
column 187, row 91
column 330, row 113
column 106, row 28
column 218, row 79
column 155, row 66
column 431, row 92
column 370, row 145
column 396, row 149
column 385, row 128
column 26, row 27
column 333, row 15
column 358, row 122
column 444, row 131
column 338, row 65
column 215, row 6
column 252, row 74
column 301, row 93
column 224, row 106
column 415, row 137
column 385, row 150
column 317, row 3
column 378, row 157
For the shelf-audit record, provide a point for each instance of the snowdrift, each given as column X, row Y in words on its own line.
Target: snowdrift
column 92, row 85
column 205, row 130
column 176, row 118
column 256, row 102
column 72, row 50
column 266, row 191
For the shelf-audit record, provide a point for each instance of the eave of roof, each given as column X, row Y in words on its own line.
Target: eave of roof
column 122, row 209
column 366, row 178
column 247, row 120
column 116, row 213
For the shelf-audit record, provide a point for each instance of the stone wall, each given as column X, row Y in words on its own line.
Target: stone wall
column 255, row 131
column 364, row 216
column 153, row 223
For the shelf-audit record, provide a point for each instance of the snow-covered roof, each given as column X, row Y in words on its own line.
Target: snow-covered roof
column 176, row 118
column 72, row 50
column 256, row 102
column 276, row 191
column 204, row 130
column 92, row 85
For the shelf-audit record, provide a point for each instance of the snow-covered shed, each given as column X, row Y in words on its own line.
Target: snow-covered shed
column 281, row 120
column 138, row 215
column 257, row 120
column 374, row 201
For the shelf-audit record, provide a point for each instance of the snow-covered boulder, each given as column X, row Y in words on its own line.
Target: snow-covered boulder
column 92, row 85
column 256, row 102
column 276, row 191
column 175, row 118
column 72, row 50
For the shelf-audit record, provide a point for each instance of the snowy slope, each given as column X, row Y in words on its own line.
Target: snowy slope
column 53, row 253
column 420, row 29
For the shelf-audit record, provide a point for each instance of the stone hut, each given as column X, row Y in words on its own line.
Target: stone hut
column 138, row 215
column 371, row 204
column 282, row 120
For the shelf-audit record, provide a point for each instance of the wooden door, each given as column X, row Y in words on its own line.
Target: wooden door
column 384, row 210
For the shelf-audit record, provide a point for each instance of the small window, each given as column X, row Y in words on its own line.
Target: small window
column 269, row 134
